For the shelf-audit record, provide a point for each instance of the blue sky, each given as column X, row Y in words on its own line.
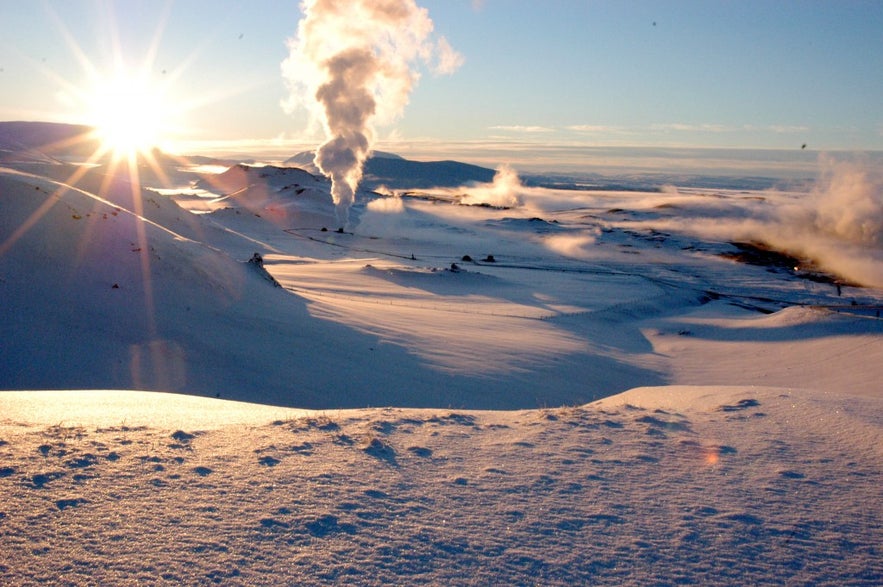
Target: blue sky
column 747, row 74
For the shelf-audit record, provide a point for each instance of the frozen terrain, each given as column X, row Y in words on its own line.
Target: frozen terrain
column 733, row 485
column 484, row 384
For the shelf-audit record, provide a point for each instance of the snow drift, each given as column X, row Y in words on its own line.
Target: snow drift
column 735, row 484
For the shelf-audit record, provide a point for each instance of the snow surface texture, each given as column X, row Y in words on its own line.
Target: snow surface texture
column 720, row 384
column 673, row 485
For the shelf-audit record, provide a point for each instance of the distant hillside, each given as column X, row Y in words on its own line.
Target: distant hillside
column 48, row 138
column 396, row 172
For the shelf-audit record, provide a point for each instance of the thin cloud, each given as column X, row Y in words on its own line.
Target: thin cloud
column 521, row 128
column 724, row 128
column 599, row 129
column 785, row 129
column 684, row 127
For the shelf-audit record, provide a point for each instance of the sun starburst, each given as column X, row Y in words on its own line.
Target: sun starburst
column 129, row 113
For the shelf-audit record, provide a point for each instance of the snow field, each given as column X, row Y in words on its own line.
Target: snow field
column 735, row 438
column 658, row 485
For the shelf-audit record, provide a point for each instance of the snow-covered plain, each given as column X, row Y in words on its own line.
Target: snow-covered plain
column 548, row 386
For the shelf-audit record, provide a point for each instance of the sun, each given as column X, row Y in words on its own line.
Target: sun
column 130, row 114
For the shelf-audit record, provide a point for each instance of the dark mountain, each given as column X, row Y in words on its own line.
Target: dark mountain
column 47, row 138
column 395, row 172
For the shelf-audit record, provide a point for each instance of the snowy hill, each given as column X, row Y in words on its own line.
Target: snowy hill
column 95, row 292
column 306, row 160
column 47, row 136
column 98, row 292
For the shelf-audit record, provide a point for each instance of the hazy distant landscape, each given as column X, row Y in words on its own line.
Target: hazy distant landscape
column 461, row 293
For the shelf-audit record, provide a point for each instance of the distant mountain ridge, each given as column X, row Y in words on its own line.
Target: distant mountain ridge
column 47, row 138
column 396, row 172
column 20, row 134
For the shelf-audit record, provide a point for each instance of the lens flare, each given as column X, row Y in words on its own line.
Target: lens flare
column 129, row 114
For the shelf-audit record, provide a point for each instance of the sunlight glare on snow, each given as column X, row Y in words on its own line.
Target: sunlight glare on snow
column 78, row 407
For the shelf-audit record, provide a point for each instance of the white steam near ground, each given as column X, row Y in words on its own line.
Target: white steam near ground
column 505, row 191
column 838, row 225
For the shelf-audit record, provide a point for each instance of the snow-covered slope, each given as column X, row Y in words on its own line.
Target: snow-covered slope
column 97, row 294
column 95, row 291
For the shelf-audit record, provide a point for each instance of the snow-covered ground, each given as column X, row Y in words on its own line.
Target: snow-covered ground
column 666, row 485
column 645, row 387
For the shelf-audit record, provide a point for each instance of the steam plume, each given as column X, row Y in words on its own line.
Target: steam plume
column 846, row 204
column 353, row 64
column 506, row 190
column 840, row 224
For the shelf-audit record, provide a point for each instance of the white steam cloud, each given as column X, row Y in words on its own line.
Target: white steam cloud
column 382, row 216
column 505, row 191
column 840, row 224
column 352, row 65
column 846, row 204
